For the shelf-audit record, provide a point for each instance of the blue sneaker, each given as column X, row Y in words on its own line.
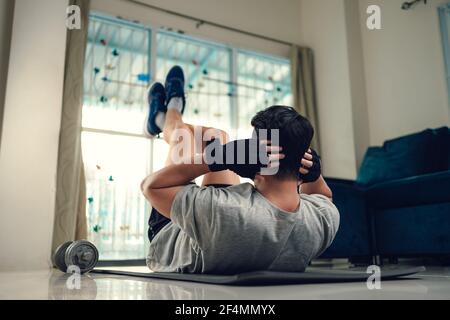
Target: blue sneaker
column 156, row 101
column 175, row 85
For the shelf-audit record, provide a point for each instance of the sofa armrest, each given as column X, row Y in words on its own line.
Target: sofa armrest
column 353, row 238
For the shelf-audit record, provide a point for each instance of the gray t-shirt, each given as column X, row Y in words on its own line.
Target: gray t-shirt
column 235, row 229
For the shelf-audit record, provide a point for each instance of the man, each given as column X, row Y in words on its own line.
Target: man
column 224, row 227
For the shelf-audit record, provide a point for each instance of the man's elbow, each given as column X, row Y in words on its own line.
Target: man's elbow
column 143, row 185
column 147, row 187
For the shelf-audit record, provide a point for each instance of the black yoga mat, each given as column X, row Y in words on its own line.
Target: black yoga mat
column 269, row 277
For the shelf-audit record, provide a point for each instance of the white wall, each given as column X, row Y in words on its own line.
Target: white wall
column 373, row 85
column 32, row 114
column 6, row 12
column 405, row 72
column 276, row 19
column 323, row 28
column 360, row 116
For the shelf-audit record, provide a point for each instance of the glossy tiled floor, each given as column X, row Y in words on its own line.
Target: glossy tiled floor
column 52, row 284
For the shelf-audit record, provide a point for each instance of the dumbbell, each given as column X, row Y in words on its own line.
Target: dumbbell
column 80, row 253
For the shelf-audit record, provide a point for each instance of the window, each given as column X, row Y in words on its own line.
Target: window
column 115, row 154
column 225, row 87
column 262, row 81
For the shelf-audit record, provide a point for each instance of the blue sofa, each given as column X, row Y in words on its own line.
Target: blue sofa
column 399, row 205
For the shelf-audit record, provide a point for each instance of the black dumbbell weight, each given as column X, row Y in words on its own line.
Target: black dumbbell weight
column 81, row 253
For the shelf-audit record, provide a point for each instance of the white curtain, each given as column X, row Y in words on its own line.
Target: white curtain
column 70, row 207
column 304, row 89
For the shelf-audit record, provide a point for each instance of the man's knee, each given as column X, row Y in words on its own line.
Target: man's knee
column 214, row 133
column 180, row 132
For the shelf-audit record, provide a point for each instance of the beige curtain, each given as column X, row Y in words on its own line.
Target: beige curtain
column 303, row 88
column 70, row 206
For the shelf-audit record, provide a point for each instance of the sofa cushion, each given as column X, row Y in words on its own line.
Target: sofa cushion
column 418, row 230
column 408, row 156
column 413, row 191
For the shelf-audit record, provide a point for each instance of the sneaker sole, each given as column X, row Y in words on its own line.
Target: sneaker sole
column 147, row 116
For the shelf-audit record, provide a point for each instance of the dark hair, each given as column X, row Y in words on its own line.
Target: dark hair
column 295, row 132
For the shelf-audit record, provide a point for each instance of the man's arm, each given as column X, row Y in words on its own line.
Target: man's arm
column 317, row 187
column 161, row 187
column 317, row 184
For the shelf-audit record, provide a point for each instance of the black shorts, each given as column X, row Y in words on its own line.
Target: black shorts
column 157, row 221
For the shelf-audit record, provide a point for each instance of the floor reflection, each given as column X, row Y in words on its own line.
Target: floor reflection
column 105, row 287
column 64, row 286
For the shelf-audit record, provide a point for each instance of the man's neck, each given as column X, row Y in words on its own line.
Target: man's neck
column 281, row 193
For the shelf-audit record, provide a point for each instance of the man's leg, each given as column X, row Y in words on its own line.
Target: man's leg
column 176, row 131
